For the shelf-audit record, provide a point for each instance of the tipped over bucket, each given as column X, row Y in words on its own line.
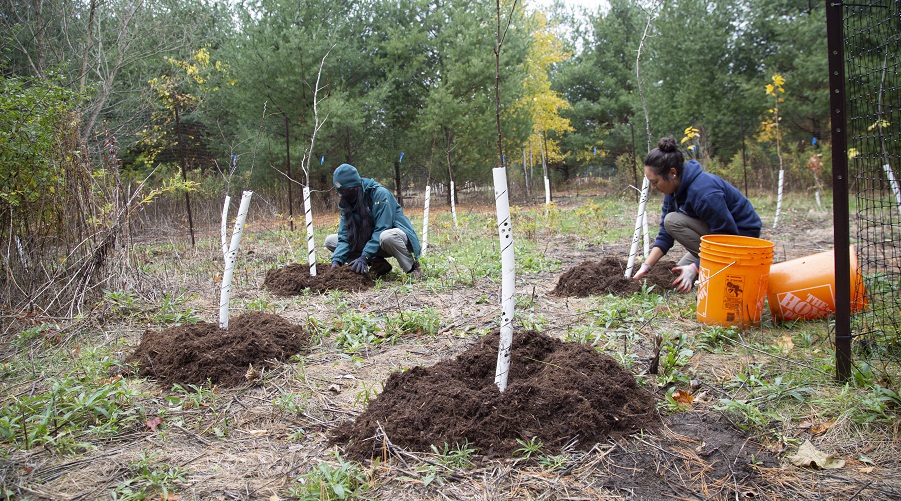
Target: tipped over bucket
column 804, row 288
column 733, row 279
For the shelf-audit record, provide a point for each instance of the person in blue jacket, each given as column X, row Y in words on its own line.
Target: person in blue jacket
column 373, row 227
column 695, row 203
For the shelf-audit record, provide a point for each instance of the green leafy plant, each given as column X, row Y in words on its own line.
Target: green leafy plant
column 191, row 397
column 346, row 480
column 527, row 449
column 66, row 408
column 150, row 479
column 171, row 312
column 713, row 337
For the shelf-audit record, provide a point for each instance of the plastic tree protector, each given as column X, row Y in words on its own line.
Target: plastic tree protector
column 453, row 197
column 639, row 222
column 508, row 276
column 223, row 231
column 893, row 182
column 425, row 219
column 779, row 198
column 644, row 230
column 311, row 244
column 230, row 257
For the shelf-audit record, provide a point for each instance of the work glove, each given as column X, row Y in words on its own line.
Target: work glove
column 687, row 276
column 335, row 264
column 642, row 271
column 359, row 265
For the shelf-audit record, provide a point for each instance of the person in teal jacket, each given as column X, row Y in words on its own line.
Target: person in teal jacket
column 695, row 203
column 373, row 227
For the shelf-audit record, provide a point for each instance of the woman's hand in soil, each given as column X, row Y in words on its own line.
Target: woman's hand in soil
column 687, row 276
column 642, row 271
column 359, row 265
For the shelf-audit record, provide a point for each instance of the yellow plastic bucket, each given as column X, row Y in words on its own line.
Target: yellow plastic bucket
column 732, row 280
column 804, row 288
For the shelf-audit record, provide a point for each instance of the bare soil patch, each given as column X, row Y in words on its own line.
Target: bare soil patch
column 294, row 279
column 557, row 392
column 203, row 352
column 607, row 276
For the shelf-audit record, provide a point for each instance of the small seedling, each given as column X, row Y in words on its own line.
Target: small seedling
column 528, row 449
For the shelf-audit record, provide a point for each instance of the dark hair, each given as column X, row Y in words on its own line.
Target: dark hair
column 664, row 157
column 358, row 229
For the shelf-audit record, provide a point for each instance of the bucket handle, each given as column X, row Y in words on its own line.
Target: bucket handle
column 715, row 274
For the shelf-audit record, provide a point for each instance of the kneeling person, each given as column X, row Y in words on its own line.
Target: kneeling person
column 373, row 227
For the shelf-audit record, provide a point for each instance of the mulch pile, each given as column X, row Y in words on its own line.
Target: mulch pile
column 202, row 352
column 607, row 276
column 556, row 392
column 293, row 279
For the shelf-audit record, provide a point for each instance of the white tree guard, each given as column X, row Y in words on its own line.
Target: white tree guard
column 453, row 196
column 893, row 182
column 639, row 218
column 818, row 198
column 508, row 276
column 547, row 190
column 230, row 257
column 779, row 198
column 23, row 257
column 425, row 220
column 311, row 243
column 644, row 230
column 223, row 231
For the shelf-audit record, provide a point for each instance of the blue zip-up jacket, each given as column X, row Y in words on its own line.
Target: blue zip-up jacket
column 709, row 198
column 386, row 213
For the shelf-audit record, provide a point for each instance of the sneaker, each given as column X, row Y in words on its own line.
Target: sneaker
column 415, row 271
column 379, row 267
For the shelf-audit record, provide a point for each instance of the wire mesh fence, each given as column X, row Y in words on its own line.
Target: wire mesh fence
column 872, row 32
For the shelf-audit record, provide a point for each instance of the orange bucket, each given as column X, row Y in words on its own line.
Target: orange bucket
column 804, row 288
column 733, row 279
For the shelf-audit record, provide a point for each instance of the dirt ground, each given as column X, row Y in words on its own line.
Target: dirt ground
column 258, row 431
column 295, row 278
column 607, row 276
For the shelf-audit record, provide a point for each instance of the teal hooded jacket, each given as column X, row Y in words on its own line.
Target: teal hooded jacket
column 386, row 213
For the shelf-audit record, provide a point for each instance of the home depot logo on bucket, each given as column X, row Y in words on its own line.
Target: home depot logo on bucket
column 812, row 302
column 703, row 278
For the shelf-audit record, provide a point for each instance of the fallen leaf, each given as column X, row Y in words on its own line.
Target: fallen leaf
column 866, row 469
column 334, row 388
column 810, row 456
column 153, row 422
column 274, row 497
column 785, row 343
column 821, row 427
column 682, row 398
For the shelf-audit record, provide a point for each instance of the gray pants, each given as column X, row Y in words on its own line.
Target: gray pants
column 688, row 232
column 392, row 243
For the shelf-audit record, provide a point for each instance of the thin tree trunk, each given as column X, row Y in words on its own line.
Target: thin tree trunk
column 290, row 179
column 184, row 173
column 39, row 37
column 88, row 44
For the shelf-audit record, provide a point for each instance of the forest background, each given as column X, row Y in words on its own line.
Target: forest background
column 109, row 105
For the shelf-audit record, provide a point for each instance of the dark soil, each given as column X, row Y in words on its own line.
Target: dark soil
column 201, row 352
column 293, row 279
column 712, row 459
column 607, row 276
column 557, row 392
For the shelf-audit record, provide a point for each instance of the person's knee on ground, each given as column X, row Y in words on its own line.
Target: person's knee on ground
column 687, row 231
column 394, row 242
column 331, row 242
